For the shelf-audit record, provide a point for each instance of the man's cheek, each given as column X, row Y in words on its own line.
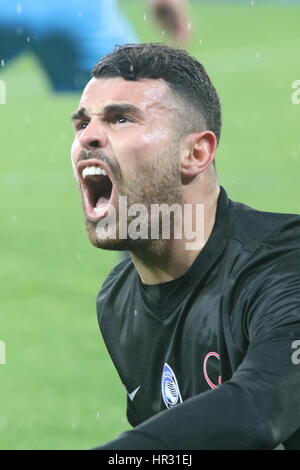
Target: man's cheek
column 74, row 170
column 155, row 136
column 74, row 157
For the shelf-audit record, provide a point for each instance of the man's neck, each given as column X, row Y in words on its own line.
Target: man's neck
column 166, row 260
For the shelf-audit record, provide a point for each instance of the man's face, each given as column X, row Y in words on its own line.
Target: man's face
column 125, row 145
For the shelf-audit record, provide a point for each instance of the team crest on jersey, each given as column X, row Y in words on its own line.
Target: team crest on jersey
column 169, row 387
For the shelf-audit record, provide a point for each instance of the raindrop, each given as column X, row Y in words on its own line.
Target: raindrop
column 145, row 17
column 19, row 8
column 2, row 62
column 98, row 415
column 258, row 55
column 135, row 313
column 28, row 39
column 252, row 3
column 189, row 26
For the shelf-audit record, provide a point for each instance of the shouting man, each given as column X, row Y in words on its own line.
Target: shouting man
column 206, row 339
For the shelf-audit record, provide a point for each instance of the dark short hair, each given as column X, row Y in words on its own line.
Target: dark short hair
column 184, row 74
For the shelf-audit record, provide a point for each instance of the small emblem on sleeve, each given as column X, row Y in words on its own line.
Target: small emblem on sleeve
column 169, row 387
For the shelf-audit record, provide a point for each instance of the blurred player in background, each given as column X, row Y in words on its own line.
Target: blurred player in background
column 68, row 38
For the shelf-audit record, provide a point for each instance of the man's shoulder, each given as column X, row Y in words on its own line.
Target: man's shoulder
column 253, row 228
column 123, row 266
column 119, row 279
column 263, row 254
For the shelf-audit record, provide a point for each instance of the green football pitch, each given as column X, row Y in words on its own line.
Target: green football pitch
column 58, row 388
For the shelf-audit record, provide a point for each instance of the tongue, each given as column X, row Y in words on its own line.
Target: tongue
column 102, row 205
column 102, row 201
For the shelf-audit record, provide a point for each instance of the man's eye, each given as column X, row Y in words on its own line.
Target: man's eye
column 120, row 120
column 81, row 125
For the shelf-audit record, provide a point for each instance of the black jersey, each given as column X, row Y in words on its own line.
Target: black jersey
column 211, row 360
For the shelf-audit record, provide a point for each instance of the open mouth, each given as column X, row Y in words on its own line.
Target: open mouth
column 97, row 188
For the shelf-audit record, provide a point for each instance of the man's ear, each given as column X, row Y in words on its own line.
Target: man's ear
column 198, row 153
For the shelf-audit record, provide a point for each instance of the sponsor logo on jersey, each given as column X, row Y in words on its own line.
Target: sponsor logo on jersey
column 169, row 387
column 210, row 383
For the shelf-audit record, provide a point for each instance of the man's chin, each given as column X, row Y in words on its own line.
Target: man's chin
column 108, row 244
column 115, row 244
column 104, row 243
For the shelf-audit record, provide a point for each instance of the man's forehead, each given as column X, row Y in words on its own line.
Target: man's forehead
column 143, row 94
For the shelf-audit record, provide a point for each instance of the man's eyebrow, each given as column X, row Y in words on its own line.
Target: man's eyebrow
column 121, row 108
column 117, row 108
column 81, row 113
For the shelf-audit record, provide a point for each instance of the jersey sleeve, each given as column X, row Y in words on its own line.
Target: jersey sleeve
column 259, row 407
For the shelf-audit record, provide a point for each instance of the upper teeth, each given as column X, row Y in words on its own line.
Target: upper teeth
column 93, row 170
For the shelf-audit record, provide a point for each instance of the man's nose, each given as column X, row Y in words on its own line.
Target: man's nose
column 93, row 136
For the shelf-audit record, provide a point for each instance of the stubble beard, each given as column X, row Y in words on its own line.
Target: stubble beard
column 158, row 182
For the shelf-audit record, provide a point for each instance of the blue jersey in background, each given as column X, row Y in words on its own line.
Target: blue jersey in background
column 68, row 38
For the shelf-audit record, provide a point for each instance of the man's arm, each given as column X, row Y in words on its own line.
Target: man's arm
column 258, row 408
column 172, row 16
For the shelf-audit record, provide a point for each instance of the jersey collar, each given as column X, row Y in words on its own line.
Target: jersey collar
column 160, row 300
